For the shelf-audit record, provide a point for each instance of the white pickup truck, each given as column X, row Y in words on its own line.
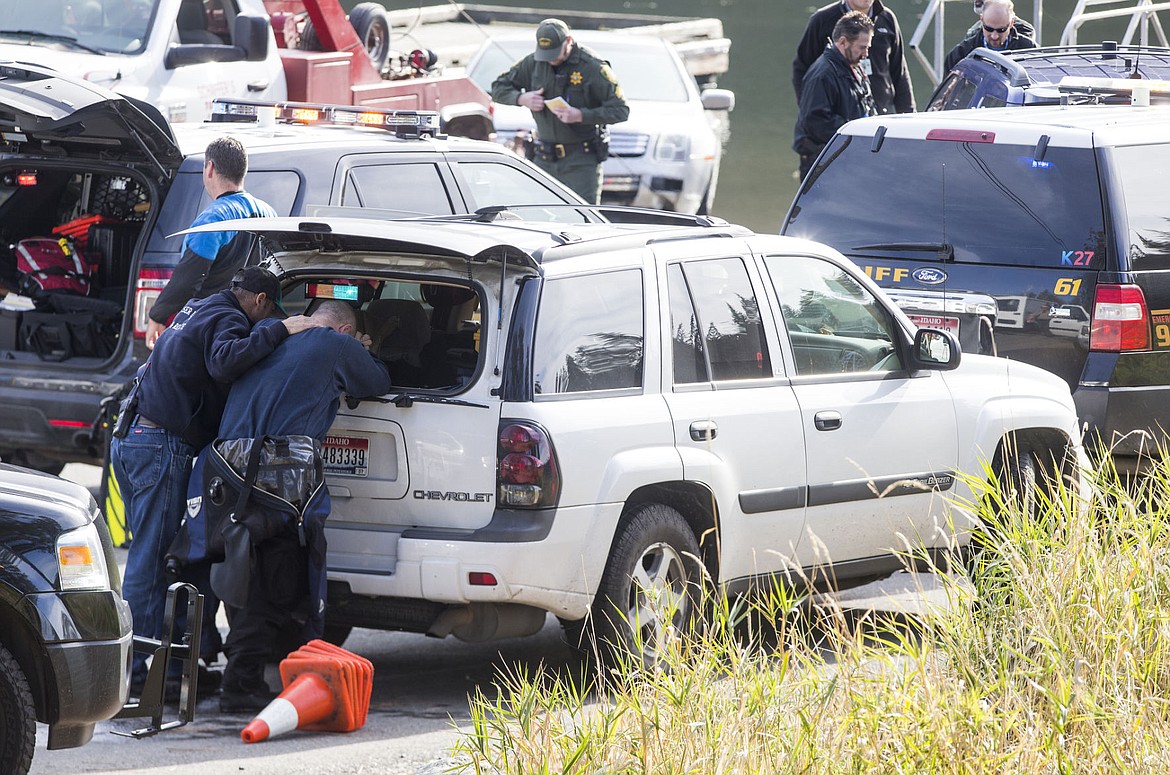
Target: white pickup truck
column 179, row 55
column 175, row 54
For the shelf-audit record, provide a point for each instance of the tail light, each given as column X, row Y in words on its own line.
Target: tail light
column 1121, row 319
column 527, row 476
column 146, row 289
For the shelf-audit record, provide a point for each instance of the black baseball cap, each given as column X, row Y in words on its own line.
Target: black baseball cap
column 259, row 280
column 550, row 36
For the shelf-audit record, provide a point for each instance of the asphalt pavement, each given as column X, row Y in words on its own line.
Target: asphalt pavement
column 418, row 709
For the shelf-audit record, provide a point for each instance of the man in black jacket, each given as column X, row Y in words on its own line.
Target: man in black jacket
column 836, row 90
column 997, row 30
column 181, row 396
column 889, row 77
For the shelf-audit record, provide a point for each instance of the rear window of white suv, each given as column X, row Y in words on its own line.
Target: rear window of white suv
column 992, row 202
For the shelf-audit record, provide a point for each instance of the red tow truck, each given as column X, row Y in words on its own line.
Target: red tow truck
column 331, row 58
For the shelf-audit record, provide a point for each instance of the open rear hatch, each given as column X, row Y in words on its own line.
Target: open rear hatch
column 43, row 113
column 422, row 459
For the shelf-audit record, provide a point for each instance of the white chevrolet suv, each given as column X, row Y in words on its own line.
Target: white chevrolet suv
column 582, row 414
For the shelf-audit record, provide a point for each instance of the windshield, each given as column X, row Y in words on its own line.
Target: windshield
column 644, row 72
column 103, row 26
column 963, row 201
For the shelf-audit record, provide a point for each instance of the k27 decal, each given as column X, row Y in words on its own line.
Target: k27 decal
column 1076, row 257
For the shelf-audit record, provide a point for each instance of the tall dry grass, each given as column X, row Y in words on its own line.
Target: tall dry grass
column 1053, row 657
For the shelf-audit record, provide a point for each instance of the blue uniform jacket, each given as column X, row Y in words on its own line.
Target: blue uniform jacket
column 296, row 390
column 210, row 344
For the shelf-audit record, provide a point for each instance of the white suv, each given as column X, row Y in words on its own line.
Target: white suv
column 583, row 413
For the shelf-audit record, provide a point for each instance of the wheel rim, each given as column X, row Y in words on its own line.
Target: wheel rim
column 375, row 42
column 658, row 598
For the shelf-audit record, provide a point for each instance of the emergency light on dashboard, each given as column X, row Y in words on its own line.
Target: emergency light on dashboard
column 331, row 291
column 404, row 123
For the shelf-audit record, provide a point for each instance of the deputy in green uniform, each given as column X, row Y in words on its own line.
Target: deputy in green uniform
column 571, row 138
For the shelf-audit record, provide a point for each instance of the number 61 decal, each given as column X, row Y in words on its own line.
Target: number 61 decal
column 1067, row 286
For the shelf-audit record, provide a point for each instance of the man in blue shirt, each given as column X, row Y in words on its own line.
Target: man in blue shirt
column 210, row 259
column 295, row 391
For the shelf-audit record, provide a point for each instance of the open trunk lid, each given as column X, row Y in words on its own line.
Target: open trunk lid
column 43, row 113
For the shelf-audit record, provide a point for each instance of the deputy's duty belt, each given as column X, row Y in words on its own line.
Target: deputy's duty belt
column 561, row 150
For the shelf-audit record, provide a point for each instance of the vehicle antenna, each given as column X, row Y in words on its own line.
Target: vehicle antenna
column 1137, row 59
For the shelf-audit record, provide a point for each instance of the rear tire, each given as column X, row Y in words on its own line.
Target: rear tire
column 650, row 588
column 372, row 25
column 18, row 717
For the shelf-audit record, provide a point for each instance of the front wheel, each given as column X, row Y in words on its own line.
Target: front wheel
column 649, row 590
column 18, row 718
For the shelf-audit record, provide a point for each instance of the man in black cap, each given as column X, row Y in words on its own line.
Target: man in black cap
column 573, row 95
column 181, row 394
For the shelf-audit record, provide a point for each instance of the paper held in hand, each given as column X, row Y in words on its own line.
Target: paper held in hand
column 556, row 103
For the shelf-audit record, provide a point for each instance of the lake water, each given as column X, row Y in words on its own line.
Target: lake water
column 757, row 180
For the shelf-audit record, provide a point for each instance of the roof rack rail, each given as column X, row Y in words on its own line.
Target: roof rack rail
column 613, row 213
column 406, row 124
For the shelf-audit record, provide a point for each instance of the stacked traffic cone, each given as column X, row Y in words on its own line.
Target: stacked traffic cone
column 326, row 688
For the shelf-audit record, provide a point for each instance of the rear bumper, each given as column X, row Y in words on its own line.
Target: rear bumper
column 1126, row 421
column 53, row 417
column 558, row 573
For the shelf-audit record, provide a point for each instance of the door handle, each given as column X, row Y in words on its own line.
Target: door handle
column 258, row 85
column 827, row 421
column 704, row 430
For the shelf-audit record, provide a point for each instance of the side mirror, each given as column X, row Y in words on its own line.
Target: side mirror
column 252, row 34
column 935, row 350
column 718, row 99
column 201, row 53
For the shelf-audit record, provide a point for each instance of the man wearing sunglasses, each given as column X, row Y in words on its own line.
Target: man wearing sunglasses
column 996, row 30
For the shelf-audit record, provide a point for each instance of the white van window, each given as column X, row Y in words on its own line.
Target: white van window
column 593, row 339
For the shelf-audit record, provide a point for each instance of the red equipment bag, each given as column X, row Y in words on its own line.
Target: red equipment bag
column 48, row 265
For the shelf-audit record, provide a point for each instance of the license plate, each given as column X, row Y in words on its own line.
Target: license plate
column 346, row 455
column 936, row 321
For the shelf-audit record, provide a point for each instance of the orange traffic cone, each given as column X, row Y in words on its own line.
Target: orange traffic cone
column 307, row 700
